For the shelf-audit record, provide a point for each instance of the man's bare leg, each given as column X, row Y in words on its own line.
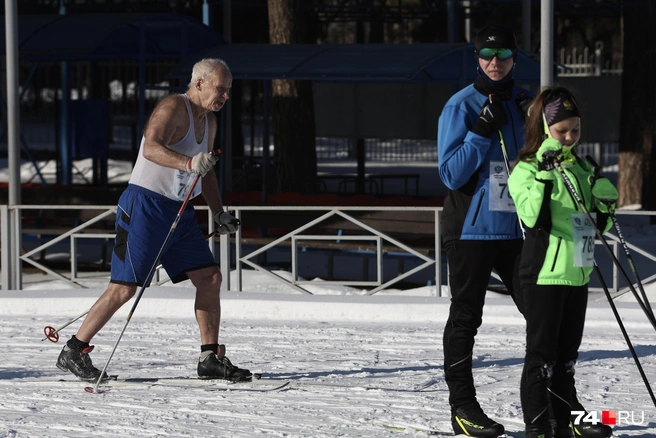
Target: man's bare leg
column 74, row 357
column 103, row 309
column 212, row 363
column 208, row 302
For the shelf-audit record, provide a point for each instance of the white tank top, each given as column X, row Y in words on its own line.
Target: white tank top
column 167, row 181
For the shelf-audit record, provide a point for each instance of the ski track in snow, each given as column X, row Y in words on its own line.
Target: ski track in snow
column 396, row 357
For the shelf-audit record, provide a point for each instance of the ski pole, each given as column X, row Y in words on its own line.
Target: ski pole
column 52, row 334
column 620, row 236
column 574, row 193
column 625, row 334
column 94, row 389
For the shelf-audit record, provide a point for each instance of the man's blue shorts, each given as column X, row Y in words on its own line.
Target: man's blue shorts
column 143, row 220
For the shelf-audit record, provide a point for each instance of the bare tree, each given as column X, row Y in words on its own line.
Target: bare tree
column 294, row 132
column 638, row 113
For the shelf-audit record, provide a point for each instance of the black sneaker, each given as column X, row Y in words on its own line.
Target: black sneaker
column 469, row 419
column 79, row 363
column 217, row 366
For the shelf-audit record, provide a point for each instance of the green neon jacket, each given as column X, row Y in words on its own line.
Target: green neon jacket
column 545, row 207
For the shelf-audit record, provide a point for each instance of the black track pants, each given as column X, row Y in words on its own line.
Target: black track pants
column 555, row 316
column 470, row 265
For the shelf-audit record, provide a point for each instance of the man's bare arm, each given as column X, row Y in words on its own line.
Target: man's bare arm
column 168, row 123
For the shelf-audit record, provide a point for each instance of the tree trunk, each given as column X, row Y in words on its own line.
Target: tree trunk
column 294, row 132
column 638, row 114
column 629, row 179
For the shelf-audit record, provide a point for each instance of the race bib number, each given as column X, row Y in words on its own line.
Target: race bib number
column 584, row 239
column 499, row 199
column 182, row 184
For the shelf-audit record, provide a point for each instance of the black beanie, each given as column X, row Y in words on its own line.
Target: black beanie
column 495, row 37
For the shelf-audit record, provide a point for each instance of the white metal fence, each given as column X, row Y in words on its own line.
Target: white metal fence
column 586, row 62
column 11, row 260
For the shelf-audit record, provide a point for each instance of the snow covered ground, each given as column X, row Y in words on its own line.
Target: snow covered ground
column 354, row 363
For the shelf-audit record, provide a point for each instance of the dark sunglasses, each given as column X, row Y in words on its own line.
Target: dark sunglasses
column 501, row 54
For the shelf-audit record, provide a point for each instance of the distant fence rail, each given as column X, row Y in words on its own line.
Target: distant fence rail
column 369, row 224
column 586, row 62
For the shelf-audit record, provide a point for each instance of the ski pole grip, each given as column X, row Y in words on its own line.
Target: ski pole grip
column 551, row 155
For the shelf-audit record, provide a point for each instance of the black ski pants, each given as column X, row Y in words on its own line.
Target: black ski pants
column 555, row 317
column 470, row 265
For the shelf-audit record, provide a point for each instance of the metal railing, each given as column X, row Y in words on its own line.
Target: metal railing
column 587, row 62
column 297, row 234
column 293, row 238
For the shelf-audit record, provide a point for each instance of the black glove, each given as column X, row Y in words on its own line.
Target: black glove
column 524, row 103
column 226, row 222
column 492, row 117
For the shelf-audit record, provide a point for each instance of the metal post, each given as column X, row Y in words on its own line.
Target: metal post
column 526, row 25
column 466, row 5
column 142, row 78
column 224, row 263
column 73, row 257
column 438, row 255
column 266, row 112
column 599, row 58
column 226, row 150
column 227, row 20
column 16, row 245
column 5, row 248
column 10, row 242
column 207, row 16
column 452, row 14
column 546, row 43
column 65, row 150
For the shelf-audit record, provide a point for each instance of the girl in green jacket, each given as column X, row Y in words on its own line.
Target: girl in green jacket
column 557, row 257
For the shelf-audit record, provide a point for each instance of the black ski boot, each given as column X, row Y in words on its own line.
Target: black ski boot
column 564, row 432
column 591, row 430
column 539, row 430
column 79, row 363
column 588, row 430
column 213, row 365
column 469, row 419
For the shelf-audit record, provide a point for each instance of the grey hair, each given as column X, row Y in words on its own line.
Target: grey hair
column 204, row 67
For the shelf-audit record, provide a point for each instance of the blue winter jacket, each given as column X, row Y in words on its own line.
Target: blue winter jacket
column 464, row 165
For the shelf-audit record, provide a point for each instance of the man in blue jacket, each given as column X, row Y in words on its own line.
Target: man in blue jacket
column 480, row 132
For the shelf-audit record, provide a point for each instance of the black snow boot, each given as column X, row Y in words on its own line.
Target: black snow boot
column 469, row 419
column 213, row 365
